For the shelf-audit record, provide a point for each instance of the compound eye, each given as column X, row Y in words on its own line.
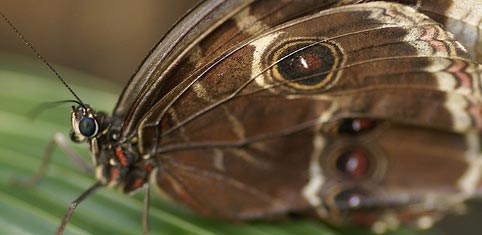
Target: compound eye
column 88, row 127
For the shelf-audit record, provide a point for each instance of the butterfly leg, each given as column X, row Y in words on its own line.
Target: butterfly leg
column 74, row 204
column 145, row 214
column 60, row 141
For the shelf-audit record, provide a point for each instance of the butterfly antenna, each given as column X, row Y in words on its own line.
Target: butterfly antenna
column 48, row 105
column 39, row 56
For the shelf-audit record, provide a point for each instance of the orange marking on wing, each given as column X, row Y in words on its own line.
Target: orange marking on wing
column 457, row 68
column 430, row 35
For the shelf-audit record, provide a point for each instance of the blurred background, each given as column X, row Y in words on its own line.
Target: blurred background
column 110, row 38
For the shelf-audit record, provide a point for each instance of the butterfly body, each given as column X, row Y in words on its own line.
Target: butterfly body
column 355, row 111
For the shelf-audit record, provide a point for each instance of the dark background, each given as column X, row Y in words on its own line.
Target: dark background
column 109, row 39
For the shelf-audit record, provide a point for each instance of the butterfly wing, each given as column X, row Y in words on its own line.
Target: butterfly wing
column 211, row 27
column 462, row 18
column 249, row 125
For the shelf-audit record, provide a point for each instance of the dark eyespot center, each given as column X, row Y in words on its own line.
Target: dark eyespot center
column 87, row 127
column 307, row 64
column 352, row 199
column 356, row 125
column 354, row 163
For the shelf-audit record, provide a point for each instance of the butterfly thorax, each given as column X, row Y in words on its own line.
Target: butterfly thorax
column 117, row 163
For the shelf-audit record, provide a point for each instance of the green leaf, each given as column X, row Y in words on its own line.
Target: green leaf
column 39, row 209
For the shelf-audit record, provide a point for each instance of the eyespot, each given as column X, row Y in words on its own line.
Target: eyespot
column 307, row 64
column 352, row 199
column 88, row 126
column 356, row 125
column 354, row 163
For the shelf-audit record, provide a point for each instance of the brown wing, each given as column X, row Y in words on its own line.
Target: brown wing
column 462, row 18
column 257, row 132
column 212, row 27
column 375, row 60
column 263, row 179
column 408, row 171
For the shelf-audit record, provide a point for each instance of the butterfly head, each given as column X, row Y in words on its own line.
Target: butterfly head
column 116, row 163
column 93, row 127
column 85, row 123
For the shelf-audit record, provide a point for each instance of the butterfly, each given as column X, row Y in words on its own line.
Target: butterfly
column 354, row 112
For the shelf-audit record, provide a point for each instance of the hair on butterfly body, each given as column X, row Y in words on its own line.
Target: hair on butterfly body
column 256, row 109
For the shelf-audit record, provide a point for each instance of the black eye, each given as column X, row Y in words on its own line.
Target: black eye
column 88, row 127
